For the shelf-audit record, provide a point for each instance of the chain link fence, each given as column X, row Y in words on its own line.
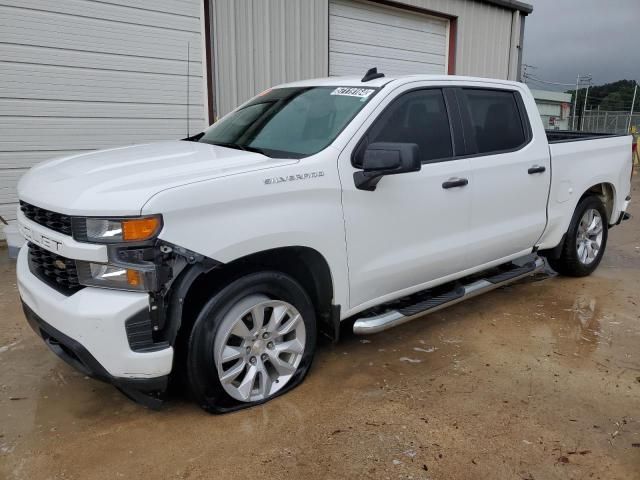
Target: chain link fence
column 598, row 121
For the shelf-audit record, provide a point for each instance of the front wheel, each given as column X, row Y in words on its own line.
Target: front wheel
column 253, row 340
column 585, row 241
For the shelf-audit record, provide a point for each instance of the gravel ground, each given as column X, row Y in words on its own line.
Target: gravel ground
column 539, row 380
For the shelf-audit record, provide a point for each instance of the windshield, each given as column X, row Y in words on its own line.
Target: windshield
column 289, row 122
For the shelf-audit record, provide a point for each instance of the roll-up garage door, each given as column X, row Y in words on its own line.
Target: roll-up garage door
column 399, row 42
column 77, row 75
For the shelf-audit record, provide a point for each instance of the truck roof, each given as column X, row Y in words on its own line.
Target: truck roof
column 356, row 81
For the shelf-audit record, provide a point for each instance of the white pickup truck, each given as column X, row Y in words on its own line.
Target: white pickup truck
column 219, row 259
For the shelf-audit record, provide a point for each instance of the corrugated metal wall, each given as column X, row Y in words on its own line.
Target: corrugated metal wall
column 549, row 109
column 396, row 41
column 260, row 43
column 485, row 39
column 79, row 75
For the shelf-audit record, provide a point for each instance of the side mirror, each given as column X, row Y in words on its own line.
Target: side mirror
column 386, row 158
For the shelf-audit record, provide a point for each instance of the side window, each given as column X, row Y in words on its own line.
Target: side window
column 416, row 117
column 495, row 120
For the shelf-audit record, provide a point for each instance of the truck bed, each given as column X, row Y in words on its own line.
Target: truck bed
column 579, row 165
column 558, row 136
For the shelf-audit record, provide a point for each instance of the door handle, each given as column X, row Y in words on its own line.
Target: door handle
column 536, row 169
column 455, row 182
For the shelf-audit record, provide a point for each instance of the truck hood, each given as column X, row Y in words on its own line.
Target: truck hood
column 120, row 181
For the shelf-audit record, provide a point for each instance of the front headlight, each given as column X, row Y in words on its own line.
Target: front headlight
column 117, row 230
column 109, row 275
column 131, row 264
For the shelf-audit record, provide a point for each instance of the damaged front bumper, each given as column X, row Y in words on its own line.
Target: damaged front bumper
column 146, row 391
column 89, row 330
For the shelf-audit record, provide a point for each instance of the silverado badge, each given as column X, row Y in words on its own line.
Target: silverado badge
column 293, row 178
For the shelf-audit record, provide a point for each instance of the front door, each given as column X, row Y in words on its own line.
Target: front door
column 413, row 228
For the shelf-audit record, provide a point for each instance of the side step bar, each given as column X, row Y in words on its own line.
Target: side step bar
column 393, row 318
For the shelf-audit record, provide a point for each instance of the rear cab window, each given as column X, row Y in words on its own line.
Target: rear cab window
column 496, row 120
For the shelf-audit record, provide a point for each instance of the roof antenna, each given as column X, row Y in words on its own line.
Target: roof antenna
column 188, row 55
column 372, row 74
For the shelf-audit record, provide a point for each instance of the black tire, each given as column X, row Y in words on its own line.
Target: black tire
column 568, row 263
column 202, row 375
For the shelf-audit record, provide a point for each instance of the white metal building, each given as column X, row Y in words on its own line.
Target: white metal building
column 77, row 75
column 554, row 108
column 263, row 43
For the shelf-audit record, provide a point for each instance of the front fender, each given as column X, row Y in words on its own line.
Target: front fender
column 232, row 217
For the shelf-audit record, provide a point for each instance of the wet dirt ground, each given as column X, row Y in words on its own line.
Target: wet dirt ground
column 539, row 380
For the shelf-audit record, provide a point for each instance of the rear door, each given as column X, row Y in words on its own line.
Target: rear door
column 510, row 174
column 413, row 228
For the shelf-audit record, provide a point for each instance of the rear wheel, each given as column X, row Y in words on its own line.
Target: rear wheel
column 585, row 241
column 252, row 341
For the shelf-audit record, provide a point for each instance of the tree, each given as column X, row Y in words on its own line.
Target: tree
column 616, row 96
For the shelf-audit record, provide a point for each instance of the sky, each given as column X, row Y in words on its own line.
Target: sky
column 597, row 37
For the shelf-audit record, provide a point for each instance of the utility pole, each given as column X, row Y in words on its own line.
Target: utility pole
column 633, row 102
column 575, row 100
column 575, row 104
column 584, row 108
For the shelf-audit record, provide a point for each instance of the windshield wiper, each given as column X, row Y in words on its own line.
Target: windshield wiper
column 194, row 138
column 235, row 146
column 245, row 148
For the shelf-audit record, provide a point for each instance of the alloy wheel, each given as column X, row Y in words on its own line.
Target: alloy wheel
column 258, row 347
column 589, row 236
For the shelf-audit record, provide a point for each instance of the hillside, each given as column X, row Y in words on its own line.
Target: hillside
column 616, row 96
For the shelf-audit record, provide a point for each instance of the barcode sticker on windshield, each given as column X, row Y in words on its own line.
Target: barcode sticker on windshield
column 353, row 92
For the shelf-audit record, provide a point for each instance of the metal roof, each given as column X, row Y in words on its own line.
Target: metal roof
column 525, row 8
column 549, row 96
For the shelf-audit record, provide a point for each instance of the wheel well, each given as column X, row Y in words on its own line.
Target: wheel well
column 306, row 265
column 606, row 193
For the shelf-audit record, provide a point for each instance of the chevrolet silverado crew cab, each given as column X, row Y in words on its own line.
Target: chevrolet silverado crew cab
column 220, row 258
